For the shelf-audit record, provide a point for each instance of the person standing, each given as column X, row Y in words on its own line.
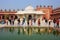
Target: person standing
column 57, row 22
column 6, row 21
column 30, row 22
column 18, row 21
column 23, row 21
column 49, row 22
column 54, row 21
column 12, row 21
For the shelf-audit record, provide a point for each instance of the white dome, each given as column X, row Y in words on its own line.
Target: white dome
column 29, row 8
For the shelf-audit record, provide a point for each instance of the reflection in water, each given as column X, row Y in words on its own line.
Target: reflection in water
column 38, row 31
column 30, row 30
column 11, row 30
column 18, row 31
column 1, row 29
column 56, row 32
column 29, row 33
column 23, row 30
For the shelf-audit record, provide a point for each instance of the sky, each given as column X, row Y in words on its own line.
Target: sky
column 21, row 4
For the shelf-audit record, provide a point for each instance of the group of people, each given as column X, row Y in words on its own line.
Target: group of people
column 31, row 22
column 56, row 22
column 52, row 22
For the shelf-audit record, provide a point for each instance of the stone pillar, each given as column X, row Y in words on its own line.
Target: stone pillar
column 41, row 18
column 5, row 16
column 36, row 20
column 13, row 16
column 18, row 16
column 27, row 17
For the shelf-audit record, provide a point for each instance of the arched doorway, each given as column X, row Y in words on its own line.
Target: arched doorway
column 29, row 20
column 29, row 17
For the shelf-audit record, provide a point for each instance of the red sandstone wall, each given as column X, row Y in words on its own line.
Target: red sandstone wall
column 46, row 10
column 9, row 12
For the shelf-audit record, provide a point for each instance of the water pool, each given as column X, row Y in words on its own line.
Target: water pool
column 22, row 34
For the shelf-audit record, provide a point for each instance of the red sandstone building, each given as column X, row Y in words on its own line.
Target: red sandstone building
column 47, row 10
column 56, row 13
column 8, row 12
